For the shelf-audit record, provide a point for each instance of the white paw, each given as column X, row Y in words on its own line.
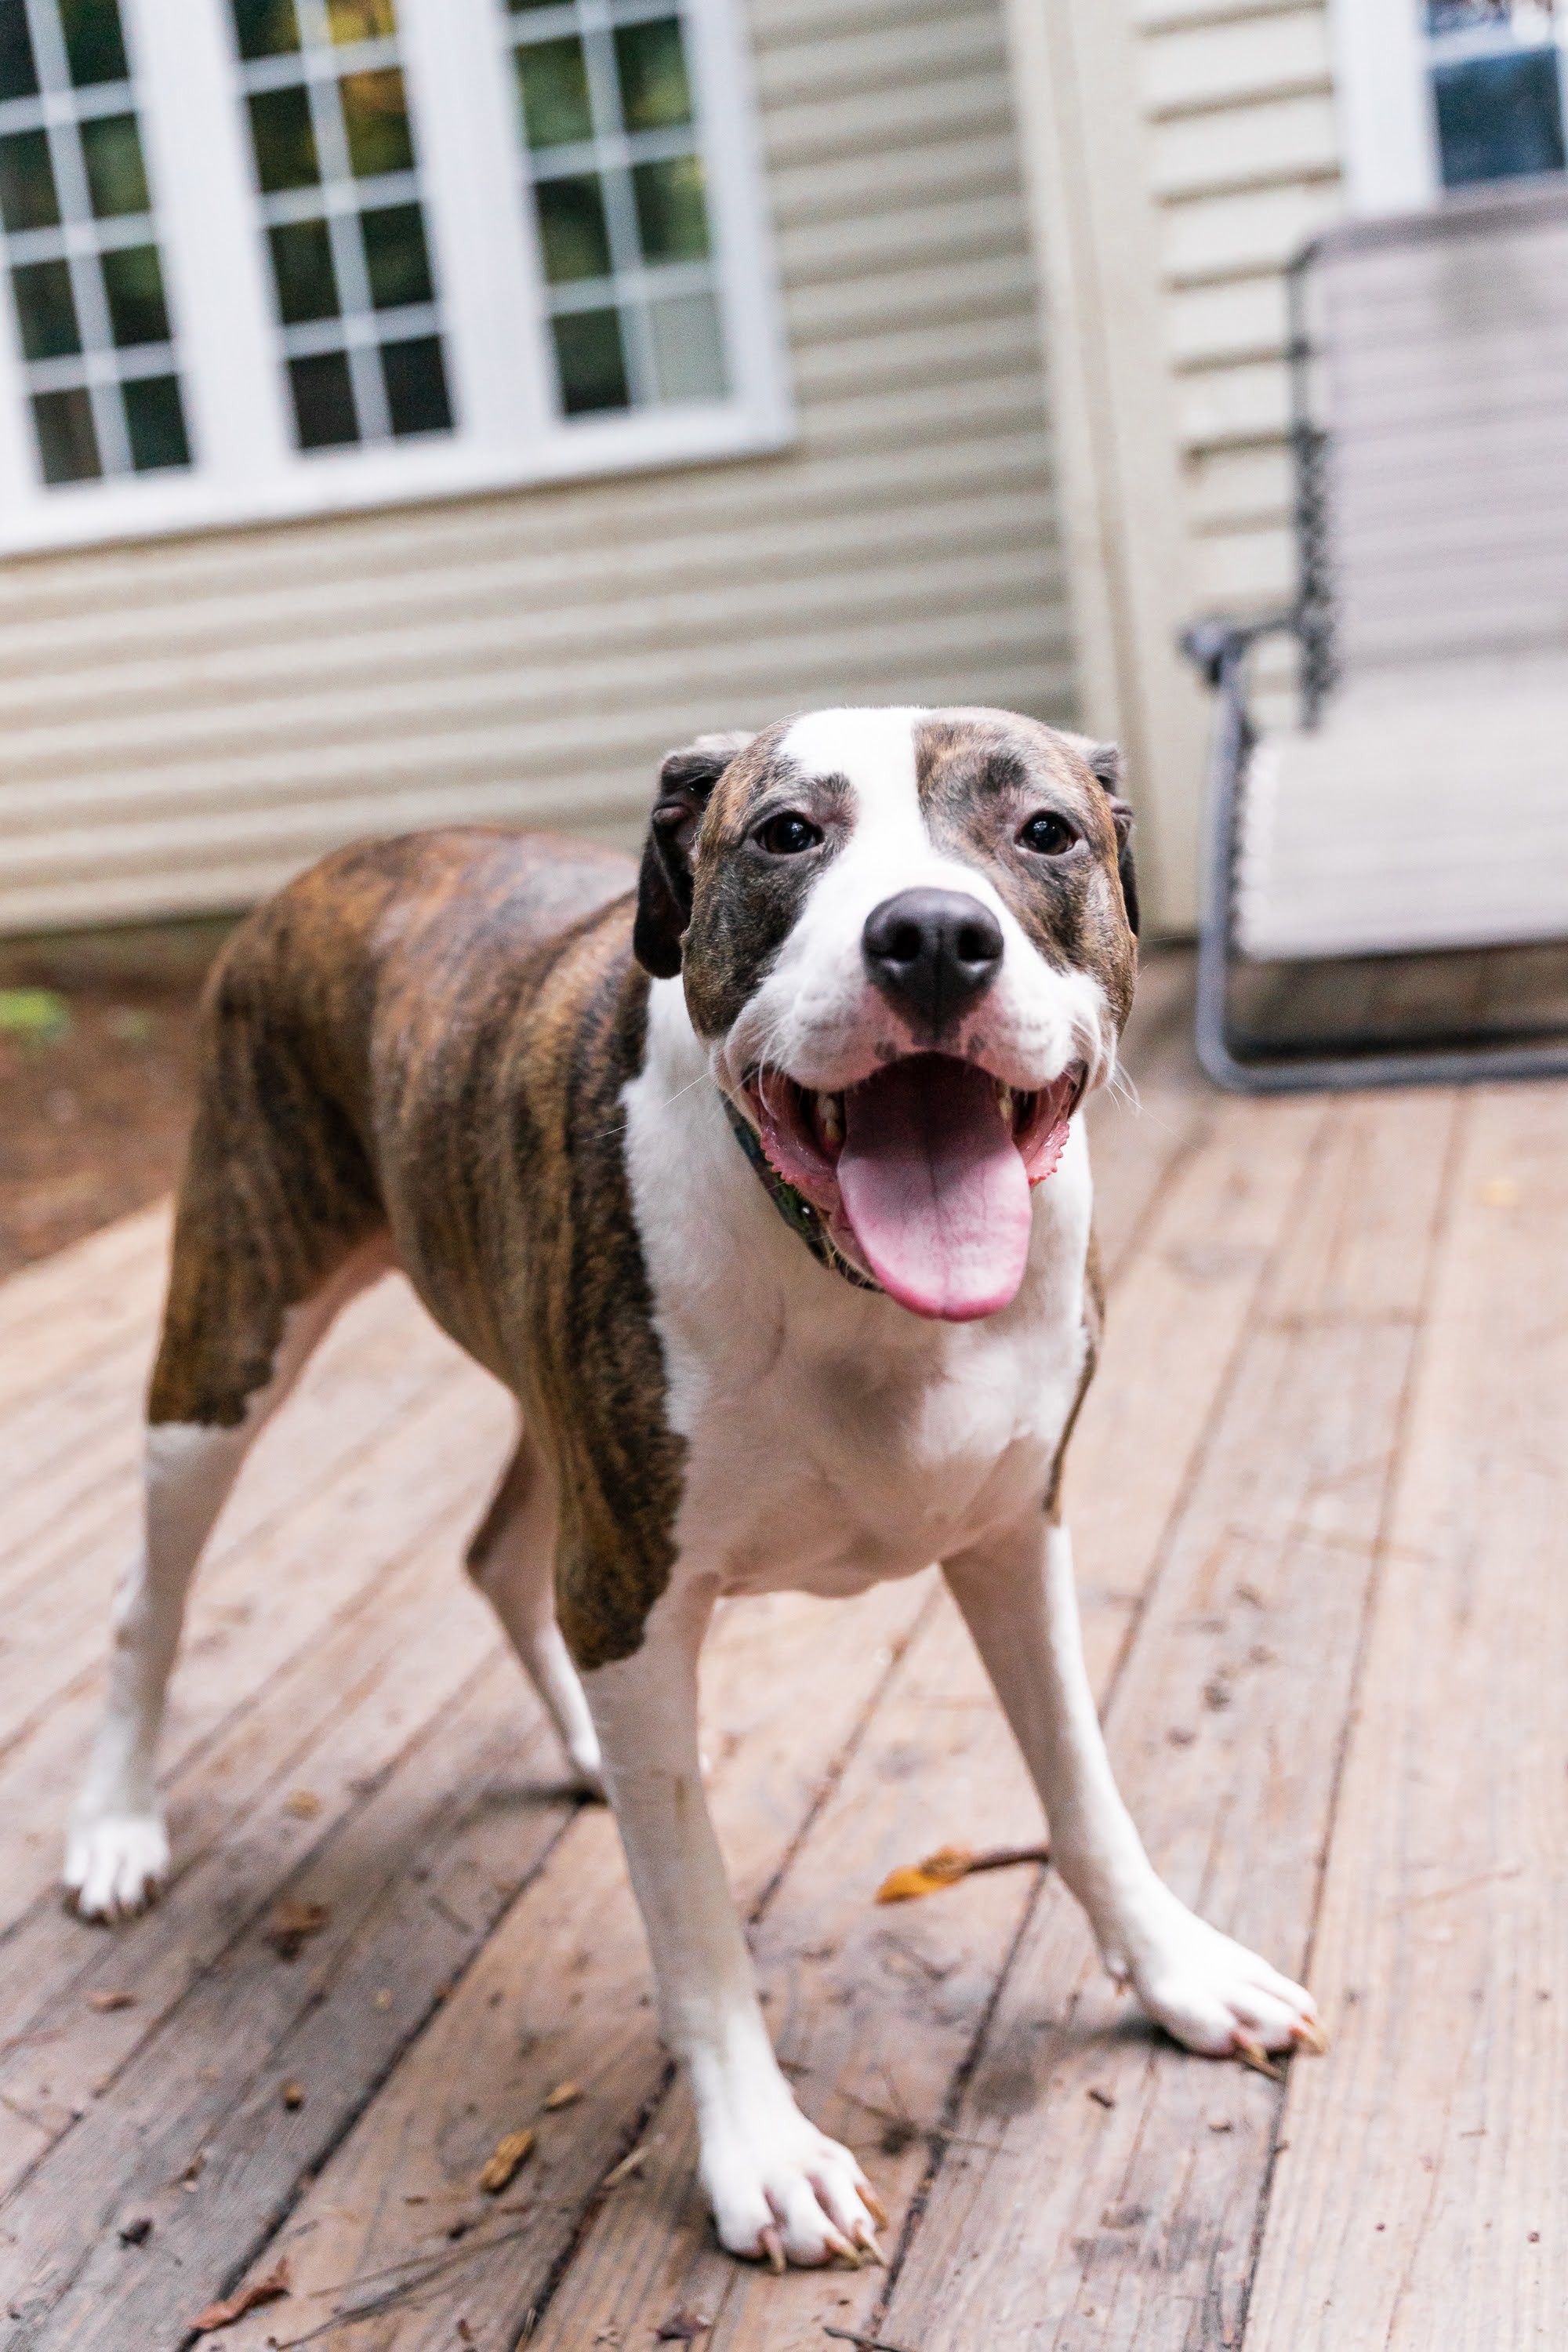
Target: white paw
column 116, row 1864
column 1217, row 1996
column 783, row 2191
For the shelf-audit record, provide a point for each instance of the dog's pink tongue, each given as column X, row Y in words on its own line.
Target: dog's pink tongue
column 936, row 1189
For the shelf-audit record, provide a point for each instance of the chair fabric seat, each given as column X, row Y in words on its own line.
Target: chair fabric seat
column 1429, row 808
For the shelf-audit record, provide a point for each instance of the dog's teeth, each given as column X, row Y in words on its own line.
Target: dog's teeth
column 1004, row 1099
column 830, row 1119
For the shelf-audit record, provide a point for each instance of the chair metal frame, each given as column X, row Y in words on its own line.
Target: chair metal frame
column 1221, row 650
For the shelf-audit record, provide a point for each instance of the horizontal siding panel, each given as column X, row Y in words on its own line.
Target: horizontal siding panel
column 1240, row 489
column 1171, row 15
column 1243, row 319
column 1288, row 138
column 1203, row 67
column 464, row 650
column 1246, row 571
column 857, row 185
column 978, row 102
column 1241, row 235
column 1239, row 403
column 97, row 660
column 887, row 57
column 914, row 235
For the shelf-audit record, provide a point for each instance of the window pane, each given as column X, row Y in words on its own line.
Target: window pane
column 302, row 269
column 45, row 310
column 285, row 143
column 155, row 422
column 672, row 215
column 688, row 348
column 67, row 444
column 375, row 116
column 266, row 28
column 416, row 386
column 571, row 228
column 19, row 74
column 397, row 261
column 554, row 79
column 591, row 361
column 324, row 400
column 94, row 47
column 361, row 20
column 134, row 285
column 1498, row 116
column 652, row 67
column 27, row 198
column 116, row 178
column 518, row 8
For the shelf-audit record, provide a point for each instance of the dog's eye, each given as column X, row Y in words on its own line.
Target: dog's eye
column 788, row 834
column 1047, row 835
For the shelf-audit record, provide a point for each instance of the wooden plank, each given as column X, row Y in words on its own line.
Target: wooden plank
column 430, row 1464
column 560, row 1993
column 59, row 1315
column 250, row 1730
column 1424, row 2192
column 938, row 1763
column 874, row 2012
column 385, row 1355
column 1119, row 2180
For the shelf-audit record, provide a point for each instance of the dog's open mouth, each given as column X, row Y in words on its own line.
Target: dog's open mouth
column 923, row 1172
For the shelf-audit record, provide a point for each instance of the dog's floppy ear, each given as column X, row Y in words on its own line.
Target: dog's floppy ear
column 1105, row 761
column 685, row 778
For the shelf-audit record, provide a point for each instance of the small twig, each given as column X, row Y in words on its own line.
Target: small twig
column 17, row 2041
column 436, row 2266
column 866, row 2342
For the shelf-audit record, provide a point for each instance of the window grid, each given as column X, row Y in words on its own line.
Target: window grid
column 1500, row 89
column 619, row 205
column 80, row 244
column 362, row 366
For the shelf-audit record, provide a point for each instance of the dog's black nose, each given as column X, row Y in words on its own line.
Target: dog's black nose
column 931, row 954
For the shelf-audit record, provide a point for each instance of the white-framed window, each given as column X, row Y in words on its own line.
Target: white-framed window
column 276, row 258
column 1443, row 94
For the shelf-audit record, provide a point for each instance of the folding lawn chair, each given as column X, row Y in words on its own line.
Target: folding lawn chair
column 1421, row 803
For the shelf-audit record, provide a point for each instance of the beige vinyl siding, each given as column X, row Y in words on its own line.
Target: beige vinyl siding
column 1245, row 160
column 182, row 722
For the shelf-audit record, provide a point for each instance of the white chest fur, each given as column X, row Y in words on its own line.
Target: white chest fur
column 834, row 1439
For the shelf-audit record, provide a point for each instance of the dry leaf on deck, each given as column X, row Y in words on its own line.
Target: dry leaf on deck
column 104, row 2001
column 682, row 2327
column 270, row 2289
column 291, row 1922
column 303, row 1803
column 511, row 2154
column 562, row 2095
column 947, row 1865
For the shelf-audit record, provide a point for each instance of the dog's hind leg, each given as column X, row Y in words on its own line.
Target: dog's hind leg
column 512, row 1561
column 117, row 1852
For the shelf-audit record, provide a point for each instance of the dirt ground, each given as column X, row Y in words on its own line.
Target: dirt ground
column 97, row 1056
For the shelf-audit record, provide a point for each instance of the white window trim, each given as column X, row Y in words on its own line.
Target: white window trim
column 1388, row 122
column 246, row 468
column 1389, row 137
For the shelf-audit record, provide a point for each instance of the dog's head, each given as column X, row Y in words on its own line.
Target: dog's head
column 907, row 939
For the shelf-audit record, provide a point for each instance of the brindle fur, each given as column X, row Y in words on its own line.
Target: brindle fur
column 428, row 1038
column 423, row 1043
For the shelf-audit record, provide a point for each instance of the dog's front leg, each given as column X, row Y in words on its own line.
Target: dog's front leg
column 1019, row 1598
column 777, row 2186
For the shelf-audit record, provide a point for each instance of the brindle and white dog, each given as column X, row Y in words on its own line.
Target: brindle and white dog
column 762, row 1189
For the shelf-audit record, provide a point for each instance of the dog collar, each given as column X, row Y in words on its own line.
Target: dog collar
column 793, row 1207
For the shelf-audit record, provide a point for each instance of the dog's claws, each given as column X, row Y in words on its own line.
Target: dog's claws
column 1310, row 2035
column 1253, row 2054
column 771, row 2244
column 865, row 2239
column 869, row 2198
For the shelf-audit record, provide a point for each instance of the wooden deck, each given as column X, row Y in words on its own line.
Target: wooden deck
column 1318, row 1496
